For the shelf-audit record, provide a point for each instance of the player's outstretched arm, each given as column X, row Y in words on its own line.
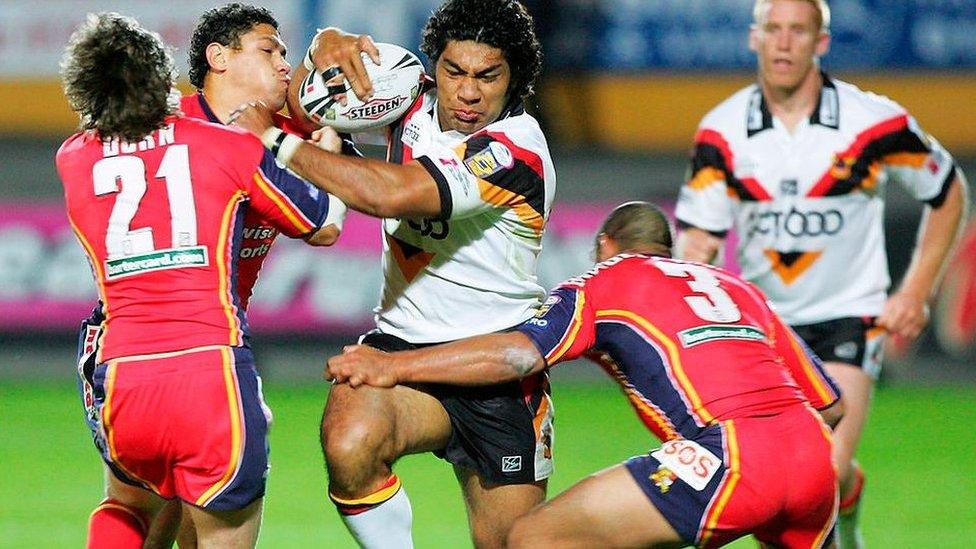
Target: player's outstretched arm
column 374, row 187
column 482, row 360
column 906, row 312
column 328, row 234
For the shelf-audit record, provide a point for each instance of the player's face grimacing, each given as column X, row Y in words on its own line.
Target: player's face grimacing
column 788, row 40
column 472, row 85
column 259, row 66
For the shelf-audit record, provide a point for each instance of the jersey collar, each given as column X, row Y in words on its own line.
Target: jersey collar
column 206, row 109
column 826, row 113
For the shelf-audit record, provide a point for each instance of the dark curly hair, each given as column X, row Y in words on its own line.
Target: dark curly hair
column 118, row 77
column 502, row 24
column 223, row 25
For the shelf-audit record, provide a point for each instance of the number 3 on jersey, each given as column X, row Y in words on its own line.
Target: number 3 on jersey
column 716, row 305
column 134, row 251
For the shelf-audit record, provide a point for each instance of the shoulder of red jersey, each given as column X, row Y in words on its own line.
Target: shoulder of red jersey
column 288, row 125
column 192, row 107
column 74, row 142
column 619, row 262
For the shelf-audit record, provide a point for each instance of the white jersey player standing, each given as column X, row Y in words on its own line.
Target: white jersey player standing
column 798, row 164
column 465, row 198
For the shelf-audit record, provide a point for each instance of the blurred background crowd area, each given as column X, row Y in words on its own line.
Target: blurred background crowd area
column 624, row 85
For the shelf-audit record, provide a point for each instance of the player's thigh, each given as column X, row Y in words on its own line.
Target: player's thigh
column 397, row 421
column 132, row 496
column 226, row 529
column 494, row 508
column 607, row 509
column 856, row 386
column 164, row 526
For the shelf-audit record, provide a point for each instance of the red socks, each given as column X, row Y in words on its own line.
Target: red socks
column 114, row 526
column 849, row 503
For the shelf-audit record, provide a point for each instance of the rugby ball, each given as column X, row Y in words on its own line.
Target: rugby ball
column 396, row 84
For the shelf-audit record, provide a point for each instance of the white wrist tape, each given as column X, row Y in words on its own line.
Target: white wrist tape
column 337, row 213
column 281, row 144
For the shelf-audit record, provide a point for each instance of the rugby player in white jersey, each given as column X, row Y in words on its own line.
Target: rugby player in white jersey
column 799, row 163
column 465, row 198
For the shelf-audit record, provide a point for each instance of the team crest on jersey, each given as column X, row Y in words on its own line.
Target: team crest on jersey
column 841, row 168
column 490, row 160
column 663, row 478
column 790, row 265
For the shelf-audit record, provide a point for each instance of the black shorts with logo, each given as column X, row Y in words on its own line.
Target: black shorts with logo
column 502, row 432
column 851, row 340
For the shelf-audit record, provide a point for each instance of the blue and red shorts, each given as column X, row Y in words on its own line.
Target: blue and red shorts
column 190, row 424
column 768, row 476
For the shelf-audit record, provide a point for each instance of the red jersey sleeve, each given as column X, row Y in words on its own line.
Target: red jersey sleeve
column 283, row 199
column 564, row 328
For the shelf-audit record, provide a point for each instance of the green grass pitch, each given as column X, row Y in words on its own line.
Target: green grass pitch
column 919, row 450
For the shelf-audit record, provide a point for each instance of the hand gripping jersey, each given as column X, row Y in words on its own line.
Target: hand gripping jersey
column 161, row 221
column 258, row 234
column 809, row 206
column 471, row 270
column 691, row 345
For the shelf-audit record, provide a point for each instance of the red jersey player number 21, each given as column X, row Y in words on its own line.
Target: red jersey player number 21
column 160, row 221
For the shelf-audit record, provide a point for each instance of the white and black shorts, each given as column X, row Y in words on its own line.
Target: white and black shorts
column 502, row 432
column 851, row 340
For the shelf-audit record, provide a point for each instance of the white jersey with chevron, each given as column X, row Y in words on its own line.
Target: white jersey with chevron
column 472, row 269
column 808, row 205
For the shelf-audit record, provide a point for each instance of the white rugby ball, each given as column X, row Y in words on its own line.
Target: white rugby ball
column 396, row 84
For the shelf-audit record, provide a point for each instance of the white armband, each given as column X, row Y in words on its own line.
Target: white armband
column 337, row 213
column 281, row 144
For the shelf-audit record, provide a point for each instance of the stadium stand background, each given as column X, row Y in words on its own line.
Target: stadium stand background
column 625, row 83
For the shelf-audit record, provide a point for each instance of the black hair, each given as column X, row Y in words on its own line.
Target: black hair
column 118, row 77
column 224, row 25
column 502, row 24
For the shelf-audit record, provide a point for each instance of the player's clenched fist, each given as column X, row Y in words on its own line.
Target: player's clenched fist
column 361, row 365
column 254, row 117
column 904, row 315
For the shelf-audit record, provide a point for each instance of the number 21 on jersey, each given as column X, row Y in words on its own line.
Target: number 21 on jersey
column 132, row 252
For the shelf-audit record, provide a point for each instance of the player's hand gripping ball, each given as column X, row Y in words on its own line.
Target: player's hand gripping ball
column 396, row 84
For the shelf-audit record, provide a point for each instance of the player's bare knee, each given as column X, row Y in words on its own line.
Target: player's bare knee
column 525, row 533
column 356, row 452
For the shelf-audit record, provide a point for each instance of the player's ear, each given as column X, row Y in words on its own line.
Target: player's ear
column 216, row 57
column 753, row 38
column 823, row 44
